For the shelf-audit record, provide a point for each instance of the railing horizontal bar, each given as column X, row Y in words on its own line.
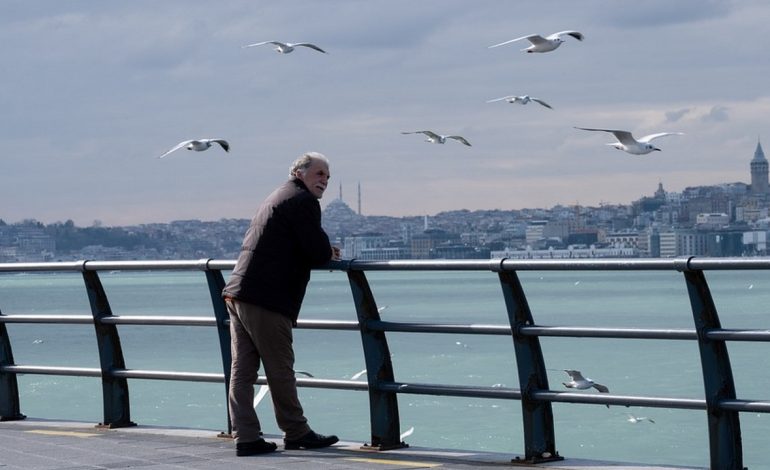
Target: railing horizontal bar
column 588, row 332
column 584, row 264
column 328, row 324
column 378, row 325
column 58, row 319
column 739, row 335
column 167, row 375
column 419, row 265
column 729, row 263
column 608, row 399
column 332, row 384
column 589, row 264
column 159, row 320
column 52, row 370
column 450, row 390
column 745, row 405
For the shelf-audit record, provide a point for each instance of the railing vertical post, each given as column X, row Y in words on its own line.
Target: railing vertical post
column 216, row 282
column 723, row 425
column 539, row 440
column 383, row 406
column 10, row 409
column 117, row 407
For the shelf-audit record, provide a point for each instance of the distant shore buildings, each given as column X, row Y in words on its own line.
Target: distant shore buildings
column 729, row 219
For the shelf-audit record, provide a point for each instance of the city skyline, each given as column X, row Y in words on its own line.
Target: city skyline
column 97, row 91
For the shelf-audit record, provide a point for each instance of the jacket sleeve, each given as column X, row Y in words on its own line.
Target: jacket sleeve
column 312, row 239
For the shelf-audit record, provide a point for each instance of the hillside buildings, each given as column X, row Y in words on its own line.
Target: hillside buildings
column 729, row 219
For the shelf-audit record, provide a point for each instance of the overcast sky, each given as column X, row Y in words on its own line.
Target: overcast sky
column 94, row 91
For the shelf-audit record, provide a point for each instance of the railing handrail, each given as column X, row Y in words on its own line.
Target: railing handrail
column 720, row 400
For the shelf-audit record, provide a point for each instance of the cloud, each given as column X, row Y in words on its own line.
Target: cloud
column 674, row 116
column 716, row 114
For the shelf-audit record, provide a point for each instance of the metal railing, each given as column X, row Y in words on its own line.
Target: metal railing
column 720, row 402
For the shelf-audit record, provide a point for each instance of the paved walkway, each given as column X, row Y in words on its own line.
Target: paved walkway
column 56, row 445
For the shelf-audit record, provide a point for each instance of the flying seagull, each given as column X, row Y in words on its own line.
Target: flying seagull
column 522, row 99
column 285, row 47
column 544, row 44
column 440, row 139
column 637, row 419
column 627, row 143
column 581, row 383
column 264, row 389
column 199, row 145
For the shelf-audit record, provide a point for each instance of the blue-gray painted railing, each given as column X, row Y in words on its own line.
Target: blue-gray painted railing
column 720, row 402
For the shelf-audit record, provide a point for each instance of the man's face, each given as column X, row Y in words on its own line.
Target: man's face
column 315, row 177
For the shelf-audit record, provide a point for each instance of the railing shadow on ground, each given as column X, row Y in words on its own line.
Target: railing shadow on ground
column 719, row 401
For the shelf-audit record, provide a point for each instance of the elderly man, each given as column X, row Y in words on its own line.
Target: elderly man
column 264, row 294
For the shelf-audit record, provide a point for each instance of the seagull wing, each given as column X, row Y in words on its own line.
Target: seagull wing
column 500, row 99
column 176, row 147
column 357, row 375
column 651, row 137
column 459, row 138
column 601, row 388
column 530, row 38
column 575, row 34
column 624, row 137
column 312, row 46
column 302, row 372
column 575, row 375
column 263, row 389
column 542, row 102
column 430, row 134
column 225, row 145
column 261, row 44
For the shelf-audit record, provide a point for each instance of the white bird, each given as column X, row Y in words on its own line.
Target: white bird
column 264, row 389
column 440, row 139
column 544, row 44
column 407, row 433
column 285, row 47
column 521, row 99
column 199, row 145
column 637, row 419
column 581, row 383
column 627, row 143
column 358, row 374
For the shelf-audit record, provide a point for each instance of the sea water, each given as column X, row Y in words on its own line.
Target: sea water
column 642, row 299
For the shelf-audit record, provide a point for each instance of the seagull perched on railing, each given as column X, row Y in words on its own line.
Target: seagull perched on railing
column 285, row 47
column 581, row 383
column 440, row 139
column 521, row 99
column 544, row 44
column 627, row 143
column 199, row 145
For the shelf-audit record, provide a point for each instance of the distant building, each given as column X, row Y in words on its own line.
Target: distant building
column 759, row 173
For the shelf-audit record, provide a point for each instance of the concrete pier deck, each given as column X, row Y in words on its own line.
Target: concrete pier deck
column 34, row 444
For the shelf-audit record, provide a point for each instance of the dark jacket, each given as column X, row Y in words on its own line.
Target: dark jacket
column 284, row 241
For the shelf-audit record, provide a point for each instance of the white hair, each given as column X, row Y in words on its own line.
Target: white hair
column 305, row 161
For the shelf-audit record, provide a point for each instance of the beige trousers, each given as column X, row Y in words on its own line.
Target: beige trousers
column 260, row 335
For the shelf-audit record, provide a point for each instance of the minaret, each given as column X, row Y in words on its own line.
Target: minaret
column 660, row 193
column 359, row 198
column 759, row 172
column 340, row 191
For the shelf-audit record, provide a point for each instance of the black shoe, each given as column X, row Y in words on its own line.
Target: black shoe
column 311, row 440
column 242, row 449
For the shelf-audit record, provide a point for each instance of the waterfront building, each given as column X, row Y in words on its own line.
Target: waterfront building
column 423, row 244
column 627, row 239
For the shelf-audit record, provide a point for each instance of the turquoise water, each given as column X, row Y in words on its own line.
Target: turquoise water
column 618, row 299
